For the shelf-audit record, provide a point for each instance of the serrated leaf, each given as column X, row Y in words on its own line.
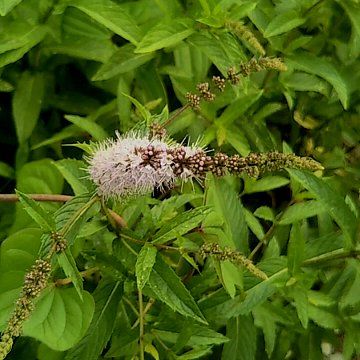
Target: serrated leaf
column 301, row 303
column 181, row 224
column 68, row 264
column 318, row 66
column 144, row 264
column 122, row 61
column 60, row 318
column 111, row 15
column 295, row 249
column 264, row 212
column 91, row 127
column 169, row 289
column 165, row 34
column 27, row 103
column 300, row 211
column 282, row 23
column 41, row 217
column 330, row 200
column 107, row 297
column 324, row 318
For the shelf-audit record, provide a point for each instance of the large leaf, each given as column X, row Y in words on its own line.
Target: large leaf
column 107, row 297
column 165, row 35
column 318, row 66
column 243, row 336
column 168, row 288
column 27, row 104
column 60, row 318
column 295, row 249
column 300, row 211
column 330, row 200
column 91, row 127
column 111, row 15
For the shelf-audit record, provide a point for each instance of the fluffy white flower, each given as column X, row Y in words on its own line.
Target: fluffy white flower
column 130, row 165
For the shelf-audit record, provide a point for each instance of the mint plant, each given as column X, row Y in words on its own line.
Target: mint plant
column 179, row 180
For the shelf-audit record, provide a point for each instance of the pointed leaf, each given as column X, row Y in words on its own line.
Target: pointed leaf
column 144, row 264
column 282, row 23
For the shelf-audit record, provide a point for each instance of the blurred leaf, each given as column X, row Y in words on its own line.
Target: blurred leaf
column 60, row 318
column 165, row 35
column 283, row 23
column 95, row 130
column 300, row 211
column 122, row 61
column 7, row 5
column 26, row 104
column 295, row 249
column 266, row 183
column 6, row 170
column 169, row 289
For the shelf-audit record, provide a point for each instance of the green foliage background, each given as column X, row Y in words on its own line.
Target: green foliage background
column 65, row 70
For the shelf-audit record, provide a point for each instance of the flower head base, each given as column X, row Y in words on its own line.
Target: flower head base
column 130, row 166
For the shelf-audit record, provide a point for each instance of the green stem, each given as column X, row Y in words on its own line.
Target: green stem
column 141, row 327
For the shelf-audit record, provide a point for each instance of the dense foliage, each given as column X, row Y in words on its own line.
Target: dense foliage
column 230, row 267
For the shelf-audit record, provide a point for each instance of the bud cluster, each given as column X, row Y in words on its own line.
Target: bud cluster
column 234, row 256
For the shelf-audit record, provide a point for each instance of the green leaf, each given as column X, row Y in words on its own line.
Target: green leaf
column 145, row 113
column 111, row 15
column 107, row 297
column 324, row 318
column 264, row 212
column 68, row 264
column 73, row 172
column 6, row 170
column 264, row 184
column 7, row 5
column 282, row 23
column 301, row 303
column 42, row 218
column 243, row 339
column 332, row 202
column 300, row 211
column 60, row 318
column 295, row 249
column 122, row 61
column 27, row 103
column 169, row 288
column 91, row 127
column 181, row 224
column 321, row 67
column 144, row 264
column 349, row 301
column 165, row 34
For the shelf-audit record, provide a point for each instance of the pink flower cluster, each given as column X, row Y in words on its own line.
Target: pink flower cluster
column 134, row 165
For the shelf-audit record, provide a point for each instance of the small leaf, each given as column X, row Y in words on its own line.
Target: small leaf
column 27, row 104
column 165, row 35
column 111, row 15
column 6, row 170
column 144, row 264
column 107, row 297
column 318, row 66
column 91, row 127
column 283, row 23
column 60, row 318
column 264, row 212
column 330, row 200
column 181, row 224
column 42, row 218
column 169, row 288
